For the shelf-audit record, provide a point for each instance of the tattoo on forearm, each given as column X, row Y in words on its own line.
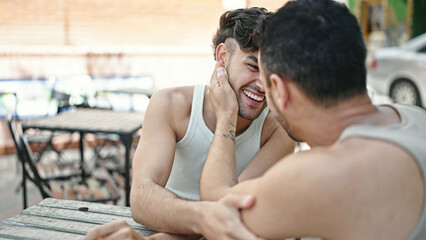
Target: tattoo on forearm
column 231, row 134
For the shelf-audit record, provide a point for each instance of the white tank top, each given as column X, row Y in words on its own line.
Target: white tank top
column 191, row 151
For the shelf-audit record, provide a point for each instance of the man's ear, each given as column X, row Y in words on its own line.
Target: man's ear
column 221, row 54
column 280, row 91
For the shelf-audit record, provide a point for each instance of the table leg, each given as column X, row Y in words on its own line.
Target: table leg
column 24, row 186
column 127, row 142
column 81, row 142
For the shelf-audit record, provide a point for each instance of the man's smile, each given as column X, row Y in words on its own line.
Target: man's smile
column 254, row 96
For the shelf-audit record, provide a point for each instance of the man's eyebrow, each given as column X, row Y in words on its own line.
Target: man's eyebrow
column 253, row 58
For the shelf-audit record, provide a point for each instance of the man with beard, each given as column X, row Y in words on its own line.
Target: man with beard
column 179, row 126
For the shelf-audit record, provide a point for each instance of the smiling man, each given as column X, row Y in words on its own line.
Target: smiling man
column 179, row 127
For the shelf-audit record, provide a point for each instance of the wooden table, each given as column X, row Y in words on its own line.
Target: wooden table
column 89, row 120
column 65, row 219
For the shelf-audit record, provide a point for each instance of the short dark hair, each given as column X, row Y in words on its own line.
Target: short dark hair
column 239, row 24
column 318, row 45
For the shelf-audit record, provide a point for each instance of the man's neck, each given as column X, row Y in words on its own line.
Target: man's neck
column 242, row 125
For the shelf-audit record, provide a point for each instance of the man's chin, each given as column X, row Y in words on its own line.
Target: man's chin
column 250, row 116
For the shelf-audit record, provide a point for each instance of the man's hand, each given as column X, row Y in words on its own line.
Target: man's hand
column 221, row 95
column 223, row 219
column 121, row 230
column 114, row 230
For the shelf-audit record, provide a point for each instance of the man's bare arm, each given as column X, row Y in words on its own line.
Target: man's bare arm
column 152, row 204
column 219, row 171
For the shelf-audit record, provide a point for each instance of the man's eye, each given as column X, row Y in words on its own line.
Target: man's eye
column 253, row 67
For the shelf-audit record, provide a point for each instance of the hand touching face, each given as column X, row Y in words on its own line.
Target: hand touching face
column 221, row 95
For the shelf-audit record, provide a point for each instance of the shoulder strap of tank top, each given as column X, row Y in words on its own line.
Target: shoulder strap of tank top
column 197, row 102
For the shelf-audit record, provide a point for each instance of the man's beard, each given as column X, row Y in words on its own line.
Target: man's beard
column 244, row 113
column 282, row 120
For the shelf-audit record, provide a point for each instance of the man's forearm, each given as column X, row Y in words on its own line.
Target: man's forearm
column 219, row 171
column 160, row 210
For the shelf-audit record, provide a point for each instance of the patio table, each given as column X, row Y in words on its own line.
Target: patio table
column 89, row 120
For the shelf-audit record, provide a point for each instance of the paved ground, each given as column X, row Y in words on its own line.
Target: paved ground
column 11, row 201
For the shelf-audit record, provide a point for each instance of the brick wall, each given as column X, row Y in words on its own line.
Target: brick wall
column 112, row 22
column 40, row 38
column 107, row 22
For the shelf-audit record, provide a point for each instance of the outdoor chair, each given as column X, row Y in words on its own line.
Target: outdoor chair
column 51, row 170
column 41, row 140
column 13, row 132
column 93, row 186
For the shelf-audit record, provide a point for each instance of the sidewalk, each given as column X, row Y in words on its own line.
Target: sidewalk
column 10, row 201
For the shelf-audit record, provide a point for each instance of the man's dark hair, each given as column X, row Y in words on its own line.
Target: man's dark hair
column 318, row 45
column 239, row 24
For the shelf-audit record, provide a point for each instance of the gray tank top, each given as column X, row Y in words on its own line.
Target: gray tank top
column 410, row 135
column 191, row 151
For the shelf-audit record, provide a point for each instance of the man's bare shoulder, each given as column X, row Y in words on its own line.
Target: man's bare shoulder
column 173, row 105
column 347, row 163
column 177, row 95
column 177, row 101
column 373, row 180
